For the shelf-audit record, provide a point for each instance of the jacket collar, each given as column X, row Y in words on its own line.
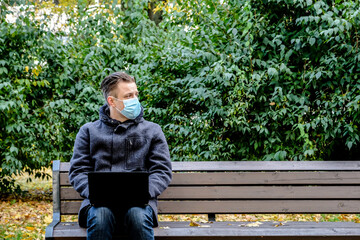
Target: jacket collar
column 104, row 114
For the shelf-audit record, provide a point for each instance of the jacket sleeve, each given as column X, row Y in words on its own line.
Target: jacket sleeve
column 159, row 164
column 80, row 163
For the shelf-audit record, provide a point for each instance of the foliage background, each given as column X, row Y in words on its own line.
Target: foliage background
column 226, row 80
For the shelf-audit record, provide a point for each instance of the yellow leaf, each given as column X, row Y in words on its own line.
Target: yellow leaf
column 278, row 225
column 48, row 219
column 255, row 224
column 158, row 8
column 194, row 224
column 30, row 228
column 26, row 69
column 35, row 72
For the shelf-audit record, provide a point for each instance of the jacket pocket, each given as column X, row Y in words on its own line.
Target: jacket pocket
column 136, row 152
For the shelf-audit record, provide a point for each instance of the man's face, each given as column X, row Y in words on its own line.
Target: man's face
column 123, row 91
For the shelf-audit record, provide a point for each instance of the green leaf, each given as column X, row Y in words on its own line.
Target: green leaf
column 88, row 57
column 272, row 72
column 318, row 75
column 3, row 70
column 312, row 41
column 14, row 149
column 234, row 31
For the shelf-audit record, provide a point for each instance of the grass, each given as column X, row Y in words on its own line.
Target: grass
column 26, row 216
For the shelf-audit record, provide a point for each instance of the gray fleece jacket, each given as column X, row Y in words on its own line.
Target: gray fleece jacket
column 109, row 145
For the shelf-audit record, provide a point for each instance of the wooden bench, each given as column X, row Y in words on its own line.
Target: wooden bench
column 212, row 188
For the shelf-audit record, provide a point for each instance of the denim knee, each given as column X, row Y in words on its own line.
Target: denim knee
column 100, row 223
column 139, row 223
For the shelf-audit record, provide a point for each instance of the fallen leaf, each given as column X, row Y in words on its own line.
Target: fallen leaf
column 278, row 225
column 48, row 219
column 194, row 224
column 255, row 224
column 205, row 226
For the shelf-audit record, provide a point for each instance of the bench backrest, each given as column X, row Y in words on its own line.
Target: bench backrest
column 244, row 187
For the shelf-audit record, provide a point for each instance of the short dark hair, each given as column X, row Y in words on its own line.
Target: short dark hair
column 111, row 81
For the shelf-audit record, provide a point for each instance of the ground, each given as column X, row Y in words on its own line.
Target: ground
column 26, row 216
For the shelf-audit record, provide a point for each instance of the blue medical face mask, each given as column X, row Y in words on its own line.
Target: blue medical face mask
column 132, row 108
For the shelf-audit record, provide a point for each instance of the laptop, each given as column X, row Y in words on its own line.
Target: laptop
column 118, row 189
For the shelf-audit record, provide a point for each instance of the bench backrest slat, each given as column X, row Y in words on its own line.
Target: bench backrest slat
column 260, row 206
column 246, row 192
column 244, row 206
column 258, row 166
column 256, row 178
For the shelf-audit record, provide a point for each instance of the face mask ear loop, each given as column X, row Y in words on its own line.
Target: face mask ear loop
column 117, row 100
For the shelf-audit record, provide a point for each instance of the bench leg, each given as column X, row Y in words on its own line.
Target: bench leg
column 212, row 217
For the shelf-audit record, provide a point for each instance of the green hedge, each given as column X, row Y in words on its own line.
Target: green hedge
column 239, row 80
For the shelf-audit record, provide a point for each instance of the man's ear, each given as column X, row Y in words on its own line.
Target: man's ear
column 110, row 101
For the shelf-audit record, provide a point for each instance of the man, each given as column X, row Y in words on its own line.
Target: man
column 121, row 140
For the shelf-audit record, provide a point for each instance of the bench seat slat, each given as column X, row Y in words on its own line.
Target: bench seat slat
column 246, row 192
column 238, row 230
column 244, row 206
column 255, row 178
column 264, row 229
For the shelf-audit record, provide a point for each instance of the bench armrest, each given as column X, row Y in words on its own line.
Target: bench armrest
column 56, row 201
column 49, row 234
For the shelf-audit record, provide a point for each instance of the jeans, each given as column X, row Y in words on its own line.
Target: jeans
column 137, row 222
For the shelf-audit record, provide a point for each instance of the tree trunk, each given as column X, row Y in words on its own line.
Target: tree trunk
column 155, row 16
